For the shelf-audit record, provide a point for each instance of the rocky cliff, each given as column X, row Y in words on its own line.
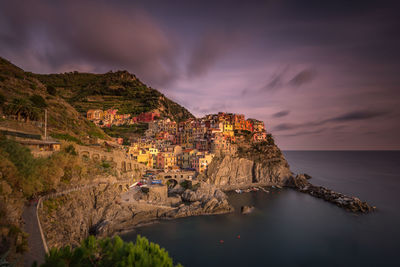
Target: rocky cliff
column 68, row 219
column 252, row 164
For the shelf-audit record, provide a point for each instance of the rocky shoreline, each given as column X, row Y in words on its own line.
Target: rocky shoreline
column 101, row 211
column 109, row 209
column 300, row 183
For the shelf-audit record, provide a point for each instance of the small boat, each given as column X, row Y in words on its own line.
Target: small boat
column 238, row 191
column 134, row 184
column 263, row 189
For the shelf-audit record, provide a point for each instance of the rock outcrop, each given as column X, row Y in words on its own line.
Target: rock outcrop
column 68, row 219
column 247, row 209
column 352, row 204
column 258, row 164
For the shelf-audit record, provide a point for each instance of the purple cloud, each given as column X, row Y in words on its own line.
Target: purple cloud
column 303, row 77
column 281, row 114
column 212, row 46
column 87, row 36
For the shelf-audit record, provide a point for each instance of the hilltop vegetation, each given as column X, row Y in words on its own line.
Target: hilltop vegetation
column 24, row 97
column 68, row 96
column 120, row 90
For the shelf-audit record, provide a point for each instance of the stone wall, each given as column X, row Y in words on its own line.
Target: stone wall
column 118, row 157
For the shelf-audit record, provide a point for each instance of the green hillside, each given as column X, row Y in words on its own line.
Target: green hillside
column 68, row 96
column 24, row 98
column 120, row 90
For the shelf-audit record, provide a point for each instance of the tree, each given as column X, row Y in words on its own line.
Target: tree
column 22, row 109
column 110, row 252
column 2, row 99
column 51, row 90
column 38, row 101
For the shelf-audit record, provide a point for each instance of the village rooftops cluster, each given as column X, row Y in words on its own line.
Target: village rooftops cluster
column 110, row 117
column 193, row 143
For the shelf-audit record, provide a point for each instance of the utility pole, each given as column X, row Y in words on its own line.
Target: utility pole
column 45, row 124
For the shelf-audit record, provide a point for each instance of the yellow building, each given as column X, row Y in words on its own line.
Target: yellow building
column 143, row 156
column 153, row 151
column 204, row 161
column 166, row 160
column 228, row 127
column 185, row 158
column 95, row 114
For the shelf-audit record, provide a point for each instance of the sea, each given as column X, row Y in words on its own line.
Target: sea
column 289, row 228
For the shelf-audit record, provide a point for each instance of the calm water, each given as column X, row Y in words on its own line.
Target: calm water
column 295, row 229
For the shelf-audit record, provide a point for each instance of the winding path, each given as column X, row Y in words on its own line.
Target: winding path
column 36, row 240
column 36, row 248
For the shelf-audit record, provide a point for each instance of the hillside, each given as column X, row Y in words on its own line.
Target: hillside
column 120, row 90
column 68, row 97
column 23, row 100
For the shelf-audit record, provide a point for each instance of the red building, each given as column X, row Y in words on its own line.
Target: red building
column 147, row 117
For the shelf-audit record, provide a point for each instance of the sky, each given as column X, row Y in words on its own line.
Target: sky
column 322, row 75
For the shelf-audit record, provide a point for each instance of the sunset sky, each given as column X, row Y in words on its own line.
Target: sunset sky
column 320, row 74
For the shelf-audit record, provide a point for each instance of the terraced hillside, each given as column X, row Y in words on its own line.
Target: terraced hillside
column 67, row 97
column 120, row 90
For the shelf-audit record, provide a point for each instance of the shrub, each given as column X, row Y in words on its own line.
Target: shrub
column 51, row 90
column 32, row 175
column 96, row 133
column 70, row 149
column 22, row 108
column 38, row 101
column 186, row 184
column 105, row 165
column 110, row 252
column 2, row 99
column 270, row 140
column 66, row 137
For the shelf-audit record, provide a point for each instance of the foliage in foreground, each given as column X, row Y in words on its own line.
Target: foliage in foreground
column 110, row 252
column 22, row 172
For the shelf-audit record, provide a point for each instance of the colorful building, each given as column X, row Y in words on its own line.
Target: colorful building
column 147, row 116
column 166, row 160
column 94, row 114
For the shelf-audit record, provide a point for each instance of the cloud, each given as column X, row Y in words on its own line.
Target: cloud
column 287, row 126
column 279, row 80
column 216, row 107
column 86, row 35
column 213, row 46
column 276, row 81
column 346, row 117
column 281, row 114
column 358, row 115
column 303, row 77
column 304, row 133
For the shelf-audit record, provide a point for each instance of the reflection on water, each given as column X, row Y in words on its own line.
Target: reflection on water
column 288, row 228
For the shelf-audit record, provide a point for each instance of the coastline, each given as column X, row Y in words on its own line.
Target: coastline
column 67, row 219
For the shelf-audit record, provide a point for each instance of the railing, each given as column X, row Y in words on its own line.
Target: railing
column 78, row 188
column 39, row 204
column 52, row 195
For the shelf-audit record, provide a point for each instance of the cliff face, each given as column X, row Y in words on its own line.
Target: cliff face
column 251, row 164
column 68, row 219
